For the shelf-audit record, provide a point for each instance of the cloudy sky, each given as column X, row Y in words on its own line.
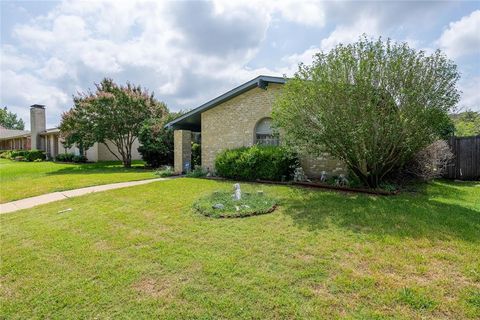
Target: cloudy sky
column 189, row 52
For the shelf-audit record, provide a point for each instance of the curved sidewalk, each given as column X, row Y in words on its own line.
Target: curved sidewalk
column 56, row 196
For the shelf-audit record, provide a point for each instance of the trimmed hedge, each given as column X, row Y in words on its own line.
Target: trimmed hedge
column 70, row 157
column 64, row 157
column 257, row 162
column 33, row 155
column 24, row 155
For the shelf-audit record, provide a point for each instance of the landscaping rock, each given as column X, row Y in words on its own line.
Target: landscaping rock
column 218, row 206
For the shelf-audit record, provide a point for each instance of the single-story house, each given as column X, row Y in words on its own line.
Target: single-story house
column 240, row 117
column 49, row 140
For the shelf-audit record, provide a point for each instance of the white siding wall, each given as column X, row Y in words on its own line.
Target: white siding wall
column 99, row 152
column 105, row 155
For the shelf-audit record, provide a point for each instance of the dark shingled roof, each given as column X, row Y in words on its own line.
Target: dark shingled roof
column 11, row 133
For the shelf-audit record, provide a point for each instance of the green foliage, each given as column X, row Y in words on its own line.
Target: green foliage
column 24, row 155
column 9, row 120
column 196, row 154
column 467, row 123
column 257, row 162
column 6, row 154
column 64, row 157
column 371, row 104
column 79, row 159
column 111, row 113
column 252, row 203
column 198, row 172
column 32, row 155
column 70, row 157
column 166, row 171
column 157, row 141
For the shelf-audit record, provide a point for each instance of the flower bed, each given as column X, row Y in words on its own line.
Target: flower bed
column 221, row 204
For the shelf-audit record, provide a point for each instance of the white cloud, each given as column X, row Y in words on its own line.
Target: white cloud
column 470, row 94
column 146, row 43
column 341, row 34
column 310, row 13
column 350, row 33
column 26, row 89
column 462, row 37
column 187, row 52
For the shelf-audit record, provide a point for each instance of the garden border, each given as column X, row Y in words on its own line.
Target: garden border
column 246, row 215
column 319, row 186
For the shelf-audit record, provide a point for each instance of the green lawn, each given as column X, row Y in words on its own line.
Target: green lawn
column 142, row 252
column 27, row 179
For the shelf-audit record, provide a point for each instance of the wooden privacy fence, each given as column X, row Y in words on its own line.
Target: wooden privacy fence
column 466, row 165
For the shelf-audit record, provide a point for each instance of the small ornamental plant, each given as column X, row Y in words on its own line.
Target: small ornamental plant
column 226, row 204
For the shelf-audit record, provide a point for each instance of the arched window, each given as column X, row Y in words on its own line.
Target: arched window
column 264, row 134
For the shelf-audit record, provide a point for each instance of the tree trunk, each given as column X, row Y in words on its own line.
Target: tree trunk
column 127, row 162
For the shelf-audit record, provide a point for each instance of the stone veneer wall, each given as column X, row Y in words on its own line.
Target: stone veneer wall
column 182, row 152
column 232, row 125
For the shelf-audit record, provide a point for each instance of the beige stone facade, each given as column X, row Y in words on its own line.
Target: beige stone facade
column 183, row 150
column 232, row 124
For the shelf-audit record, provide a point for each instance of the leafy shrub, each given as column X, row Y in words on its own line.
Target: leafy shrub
column 156, row 143
column 17, row 153
column 32, row 155
column 198, row 172
column 6, row 154
column 257, row 162
column 196, row 154
column 64, row 157
column 79, row 159
column 24, row 155
column 166, row 171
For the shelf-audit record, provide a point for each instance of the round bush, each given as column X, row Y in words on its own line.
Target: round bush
column 221, row 204
column 257, row 162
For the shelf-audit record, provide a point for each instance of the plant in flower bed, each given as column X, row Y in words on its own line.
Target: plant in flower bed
column 24, row 155
column 222, row 204
column 256, row 162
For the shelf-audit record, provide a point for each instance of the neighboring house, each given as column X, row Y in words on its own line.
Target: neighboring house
column 50, row 141
column 237, row 118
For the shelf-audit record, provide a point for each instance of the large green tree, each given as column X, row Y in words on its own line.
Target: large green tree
column 467, row 123
column 113, row 113
column 372, row 104
column 9, row 120
column 157, row 140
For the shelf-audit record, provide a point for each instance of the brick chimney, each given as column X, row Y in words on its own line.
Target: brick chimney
column 37, row 125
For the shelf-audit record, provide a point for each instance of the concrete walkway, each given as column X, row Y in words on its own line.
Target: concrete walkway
column 55, row 196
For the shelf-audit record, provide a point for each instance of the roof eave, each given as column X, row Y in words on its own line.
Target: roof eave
column 260, row 81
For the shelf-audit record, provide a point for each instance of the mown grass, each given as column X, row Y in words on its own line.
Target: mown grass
column 142, row 252
column 20, row 180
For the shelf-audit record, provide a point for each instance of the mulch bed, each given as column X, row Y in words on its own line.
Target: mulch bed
column 316, row 185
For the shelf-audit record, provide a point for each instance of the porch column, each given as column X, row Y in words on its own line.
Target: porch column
column 182, row 142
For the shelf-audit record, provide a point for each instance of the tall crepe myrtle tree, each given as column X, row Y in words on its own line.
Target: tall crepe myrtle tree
column 113, row 113
column 372, row 104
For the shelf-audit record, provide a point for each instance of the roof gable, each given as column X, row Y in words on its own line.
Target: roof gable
column 191, row 119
